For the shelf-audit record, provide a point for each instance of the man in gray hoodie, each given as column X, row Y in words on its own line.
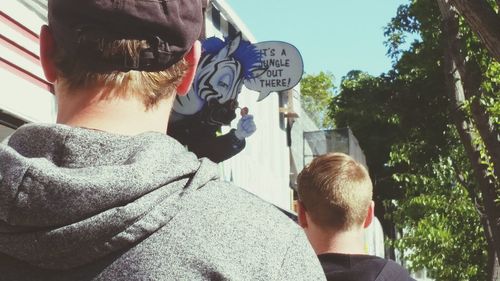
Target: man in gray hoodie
column 105, row 194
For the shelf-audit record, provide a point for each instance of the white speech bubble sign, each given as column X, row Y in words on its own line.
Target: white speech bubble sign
column 284, row 68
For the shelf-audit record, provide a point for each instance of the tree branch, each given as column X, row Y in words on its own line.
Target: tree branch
column 484, row 125
column 454, row 79
column 483, row 21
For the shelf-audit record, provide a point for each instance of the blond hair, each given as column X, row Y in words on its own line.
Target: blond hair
column 336, row 191
column 77, row 72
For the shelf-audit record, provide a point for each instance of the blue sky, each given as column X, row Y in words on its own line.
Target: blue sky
column 332, row 35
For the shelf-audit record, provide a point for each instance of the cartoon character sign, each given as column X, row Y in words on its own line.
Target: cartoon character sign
column 221, row 72
column 197, row 117
column 212, row 100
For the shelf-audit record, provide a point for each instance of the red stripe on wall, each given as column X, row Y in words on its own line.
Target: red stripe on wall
column 12, row 67
column 19, row 49
column 26, row 32
column 26, row 75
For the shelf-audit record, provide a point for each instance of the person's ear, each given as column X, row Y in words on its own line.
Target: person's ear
column 301, row 215
column 47, row 50
column 369, row 215
column 192, row 57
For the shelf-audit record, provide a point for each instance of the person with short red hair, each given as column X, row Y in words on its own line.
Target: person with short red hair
column 335, row 206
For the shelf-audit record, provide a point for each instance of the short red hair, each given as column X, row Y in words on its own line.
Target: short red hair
column 336, row 191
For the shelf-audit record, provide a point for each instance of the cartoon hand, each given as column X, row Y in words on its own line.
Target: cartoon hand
column 244, row 111
column 246, row 127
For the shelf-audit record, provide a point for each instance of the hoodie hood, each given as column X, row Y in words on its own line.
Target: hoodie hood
column 69, row 196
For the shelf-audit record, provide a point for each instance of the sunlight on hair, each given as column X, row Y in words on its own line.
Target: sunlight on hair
column 336, row 191
column 150, row 87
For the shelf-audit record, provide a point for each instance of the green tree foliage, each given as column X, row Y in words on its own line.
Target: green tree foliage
column 411, row 149
column 440, row 224
column 403, row 121
column 316, row 95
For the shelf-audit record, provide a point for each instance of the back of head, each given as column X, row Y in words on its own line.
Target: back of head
column 336, row 191
column 134, row 45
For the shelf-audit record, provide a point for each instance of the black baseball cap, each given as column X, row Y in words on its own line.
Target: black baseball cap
column 170, row 27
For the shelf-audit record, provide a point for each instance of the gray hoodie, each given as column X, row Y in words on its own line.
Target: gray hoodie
column 80, row 204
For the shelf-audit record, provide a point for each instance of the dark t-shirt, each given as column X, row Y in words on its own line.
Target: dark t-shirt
column 344, row 267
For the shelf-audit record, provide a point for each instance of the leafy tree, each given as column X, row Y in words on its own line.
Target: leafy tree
column 441, row 226
column 411, row 150
column 317, row 92
column 463, row 81
column 405, row 121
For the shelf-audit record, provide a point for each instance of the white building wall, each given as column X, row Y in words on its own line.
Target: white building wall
column 263, row 166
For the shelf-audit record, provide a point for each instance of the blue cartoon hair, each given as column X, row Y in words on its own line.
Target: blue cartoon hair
column 246, row 53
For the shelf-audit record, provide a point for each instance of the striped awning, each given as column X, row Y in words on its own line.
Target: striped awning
column 20, row 69
column 220, row 22
column 223, row 19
